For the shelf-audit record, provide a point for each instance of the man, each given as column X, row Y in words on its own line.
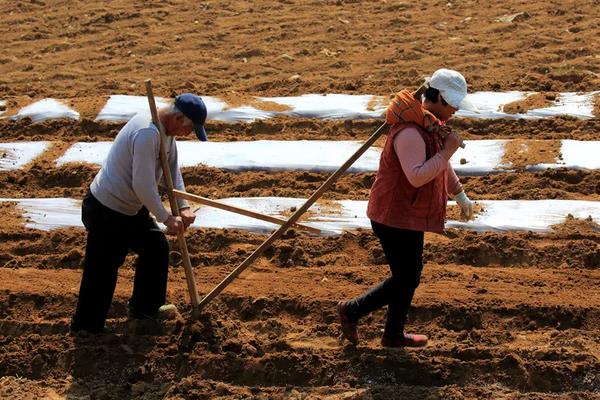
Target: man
column 409, row 197
column 116, row 213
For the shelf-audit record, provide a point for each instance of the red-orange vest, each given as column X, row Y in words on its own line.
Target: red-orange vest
column 395, row 202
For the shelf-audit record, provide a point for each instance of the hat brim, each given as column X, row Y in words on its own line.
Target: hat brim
column 200, row 132
column 468, row 105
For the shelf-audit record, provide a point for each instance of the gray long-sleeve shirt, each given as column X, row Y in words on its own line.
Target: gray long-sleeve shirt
column 130, row 174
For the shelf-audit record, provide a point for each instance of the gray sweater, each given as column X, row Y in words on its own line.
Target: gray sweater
column 131, row 172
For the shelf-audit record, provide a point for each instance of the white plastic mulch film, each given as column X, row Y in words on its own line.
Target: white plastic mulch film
column 577, row 155
column 48, row 214
column 333, row 217
column 46, row 109
column 491, row 104
column 314, row 155
column 477, row 158
column 320, row 106
column 123, row 107
column 331, row 106
column 345, row 106
column 580, row 105
column 2, row 105
column 16, row 155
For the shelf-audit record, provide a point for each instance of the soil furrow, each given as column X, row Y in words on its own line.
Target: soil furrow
column 509, row 315
column 72, row 180
column 570, row 246
column 89, row 130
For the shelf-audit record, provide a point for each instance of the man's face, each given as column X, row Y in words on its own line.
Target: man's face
column 179, row 125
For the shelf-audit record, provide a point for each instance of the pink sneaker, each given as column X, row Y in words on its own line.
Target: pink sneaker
column 409, row 340
column 349, row 329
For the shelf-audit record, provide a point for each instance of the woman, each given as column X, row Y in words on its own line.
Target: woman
column 409, row 197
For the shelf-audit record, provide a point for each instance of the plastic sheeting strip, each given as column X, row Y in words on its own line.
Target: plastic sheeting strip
column 321, row 106
column 2, row 104
column 333, row 217
column 576, row 155
column 16, row 155
column 46, row 109
column 345, row 106
column 478, row 157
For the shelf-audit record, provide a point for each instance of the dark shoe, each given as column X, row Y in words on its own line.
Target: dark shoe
column 408, row 340
column 164, row 313
column 349, row 329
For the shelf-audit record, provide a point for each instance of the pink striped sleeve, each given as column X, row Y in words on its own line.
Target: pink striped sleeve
column 410, row 149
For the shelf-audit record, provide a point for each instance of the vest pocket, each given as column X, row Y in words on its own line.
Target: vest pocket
column 422, row 197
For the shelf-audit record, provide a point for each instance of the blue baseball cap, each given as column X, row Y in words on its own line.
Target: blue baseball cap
column 193, row 107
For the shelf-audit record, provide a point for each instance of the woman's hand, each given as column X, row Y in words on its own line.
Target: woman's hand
column 466, row 206
column 451, row 143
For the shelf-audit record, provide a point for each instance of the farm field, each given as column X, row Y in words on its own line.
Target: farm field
column 511, row 314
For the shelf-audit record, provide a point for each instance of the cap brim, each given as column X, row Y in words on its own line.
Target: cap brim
column 200, row 132
column 468, row 105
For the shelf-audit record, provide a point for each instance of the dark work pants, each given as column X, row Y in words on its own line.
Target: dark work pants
column 110, row 237
column 403, row 250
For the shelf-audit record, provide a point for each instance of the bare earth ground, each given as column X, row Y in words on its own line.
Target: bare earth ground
column 510, row 315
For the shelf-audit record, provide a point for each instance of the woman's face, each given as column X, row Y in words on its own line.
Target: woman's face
column 442, row 109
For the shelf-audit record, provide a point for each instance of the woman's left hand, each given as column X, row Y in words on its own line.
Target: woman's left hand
column 466, row 206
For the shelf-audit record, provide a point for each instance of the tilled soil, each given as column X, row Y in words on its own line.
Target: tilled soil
column 509, row 315
column 78, row 49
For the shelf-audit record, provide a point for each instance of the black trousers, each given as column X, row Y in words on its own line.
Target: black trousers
column 110, row 237
column 403, row 250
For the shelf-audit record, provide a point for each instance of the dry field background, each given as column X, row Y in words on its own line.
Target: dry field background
column 510, row 315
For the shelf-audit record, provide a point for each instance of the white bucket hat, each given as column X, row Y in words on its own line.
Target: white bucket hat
column 453, row 88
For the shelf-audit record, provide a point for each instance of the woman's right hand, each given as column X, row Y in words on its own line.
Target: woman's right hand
column 451, row 143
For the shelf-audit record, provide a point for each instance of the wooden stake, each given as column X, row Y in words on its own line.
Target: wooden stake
column 279, row 232
column 189, row 273
column 241, row 211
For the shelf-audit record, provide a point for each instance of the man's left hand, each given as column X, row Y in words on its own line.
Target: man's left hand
column 188, row 216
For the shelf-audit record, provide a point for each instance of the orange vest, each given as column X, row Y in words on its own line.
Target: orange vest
column 395, row 202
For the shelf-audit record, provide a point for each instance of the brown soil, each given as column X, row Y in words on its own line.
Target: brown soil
column 326, row 208
column 11, row 214
column 509, row 315
column 310, row 129
column 88, row 107
column 235, row 99
column 43, row 180
column 597, row 106
column 576, row 226
column 522, row 153
column 537, row 100
column 97, row 49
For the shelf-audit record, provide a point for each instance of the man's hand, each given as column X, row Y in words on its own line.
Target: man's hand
column 466, row 207
column 188, row 216
column 174, row 225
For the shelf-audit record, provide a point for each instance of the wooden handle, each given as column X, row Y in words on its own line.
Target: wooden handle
column 241, row 211
column 295, row 216
column 189, row 273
